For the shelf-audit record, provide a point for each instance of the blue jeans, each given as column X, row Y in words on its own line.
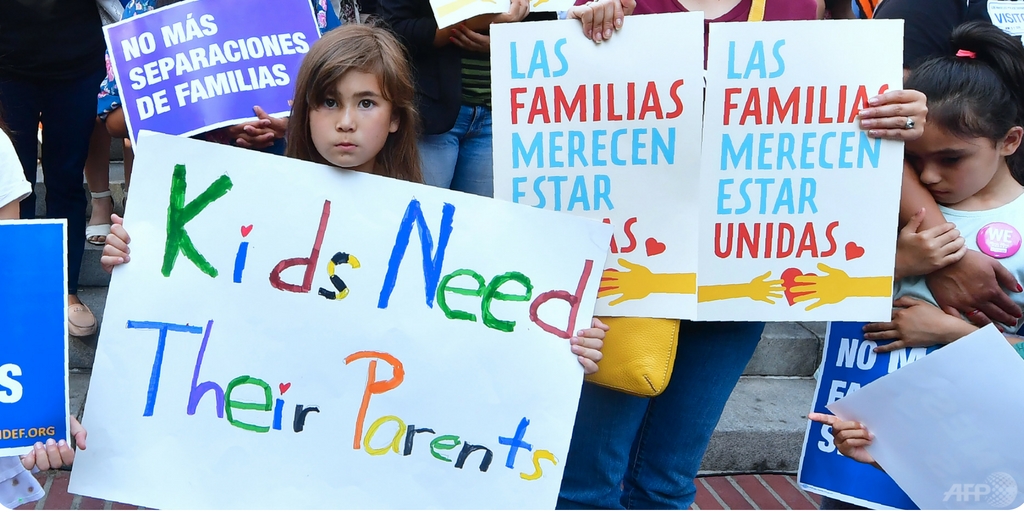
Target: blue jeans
column 68, row 111
column 644, row 453
column 461, row 159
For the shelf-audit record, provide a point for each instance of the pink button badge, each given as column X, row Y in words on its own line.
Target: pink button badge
column 999, row 240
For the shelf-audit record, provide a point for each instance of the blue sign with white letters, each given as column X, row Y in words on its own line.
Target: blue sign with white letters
column 33, row 334
column 848, row 363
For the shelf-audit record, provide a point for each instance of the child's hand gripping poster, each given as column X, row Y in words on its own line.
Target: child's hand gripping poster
column 610, row 132
column 33, row 334
column 291, row 335
column 202, row 64
column 850, row 362
column 798, row 206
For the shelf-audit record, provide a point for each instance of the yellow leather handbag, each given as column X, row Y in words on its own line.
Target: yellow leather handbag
column 638, row 355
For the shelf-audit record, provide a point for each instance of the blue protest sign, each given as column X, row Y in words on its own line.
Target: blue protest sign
column 202, row 64
column 849, row 362
column 33, row 334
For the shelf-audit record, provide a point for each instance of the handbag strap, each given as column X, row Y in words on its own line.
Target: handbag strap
column 756, row 10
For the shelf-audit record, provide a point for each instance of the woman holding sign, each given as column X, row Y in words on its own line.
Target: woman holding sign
column 634, row 452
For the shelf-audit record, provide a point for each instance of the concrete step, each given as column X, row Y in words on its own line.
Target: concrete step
column 78, row 389
column 788, row 349
column 92, row 273
column 762, row 427
column 82, row 351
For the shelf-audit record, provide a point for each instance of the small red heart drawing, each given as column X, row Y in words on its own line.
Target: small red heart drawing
column 654, row 247
column 246, row 230
column 789, row 281
column 283, row 387
column 853, row 251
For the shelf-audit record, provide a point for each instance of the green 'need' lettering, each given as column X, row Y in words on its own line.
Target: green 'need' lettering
column 178, row 214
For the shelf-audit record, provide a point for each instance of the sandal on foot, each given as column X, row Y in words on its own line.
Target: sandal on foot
column 96, row 234
column 81, row 321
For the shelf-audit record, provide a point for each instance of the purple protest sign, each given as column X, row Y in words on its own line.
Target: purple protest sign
column 203, row 64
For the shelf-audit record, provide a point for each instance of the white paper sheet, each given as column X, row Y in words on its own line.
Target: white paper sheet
column 948, row 427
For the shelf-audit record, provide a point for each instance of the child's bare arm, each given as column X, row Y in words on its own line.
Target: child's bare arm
column 922, row 251
column 917, row 324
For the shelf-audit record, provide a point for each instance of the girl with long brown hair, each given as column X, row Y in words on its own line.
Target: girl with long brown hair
column 354, row 105
column 354, row 109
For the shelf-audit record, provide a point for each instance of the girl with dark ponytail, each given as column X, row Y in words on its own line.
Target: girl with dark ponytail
column 978, row 90
column 970, row 160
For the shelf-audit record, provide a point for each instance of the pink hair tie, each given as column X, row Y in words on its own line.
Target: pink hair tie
column 966, row 53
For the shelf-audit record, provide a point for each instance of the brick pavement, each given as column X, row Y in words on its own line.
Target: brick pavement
column 736, row 492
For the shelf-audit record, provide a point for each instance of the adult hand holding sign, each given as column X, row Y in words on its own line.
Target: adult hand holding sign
column 601, row 16
column 895, row 115
column 974, row 286
column 517, row 11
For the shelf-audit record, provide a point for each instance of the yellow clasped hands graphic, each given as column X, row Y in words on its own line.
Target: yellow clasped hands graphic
column 759, row 288
column 637, row 282
column 836, row 286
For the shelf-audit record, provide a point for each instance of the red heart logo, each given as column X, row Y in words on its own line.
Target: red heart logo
column 853, row 251
column 789, row 280
column 246, row 230
column 283, row 387
column 654, row 247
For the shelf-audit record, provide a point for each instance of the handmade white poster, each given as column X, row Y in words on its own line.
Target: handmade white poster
column 291, row 335
column 609, row 132
column 798, row 206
